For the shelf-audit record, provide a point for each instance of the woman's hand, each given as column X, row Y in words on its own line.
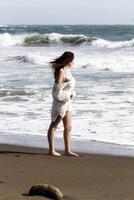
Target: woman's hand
column 73, row 95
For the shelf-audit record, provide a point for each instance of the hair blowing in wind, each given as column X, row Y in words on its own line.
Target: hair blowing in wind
column 61, row 61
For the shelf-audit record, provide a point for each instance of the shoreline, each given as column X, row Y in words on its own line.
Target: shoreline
column 77, row 145
column 89, row 176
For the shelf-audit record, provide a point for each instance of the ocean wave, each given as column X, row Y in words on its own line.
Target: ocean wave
column 22, row 58
column 34, row 39
column 30, row 59
column 7, row 39
column 4, row 93
column 57, row 39
column 113, row 44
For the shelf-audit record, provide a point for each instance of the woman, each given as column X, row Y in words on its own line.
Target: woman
column 63, row 94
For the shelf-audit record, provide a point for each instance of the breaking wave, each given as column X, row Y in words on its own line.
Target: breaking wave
column 54, row 38
column 7, row 39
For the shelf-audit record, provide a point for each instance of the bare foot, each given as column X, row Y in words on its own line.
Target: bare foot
column 54, row 153
column 71, row 154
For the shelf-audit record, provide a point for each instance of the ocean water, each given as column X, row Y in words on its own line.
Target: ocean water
column 103, row 109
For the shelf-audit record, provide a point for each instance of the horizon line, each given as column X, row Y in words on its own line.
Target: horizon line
column 67, row 24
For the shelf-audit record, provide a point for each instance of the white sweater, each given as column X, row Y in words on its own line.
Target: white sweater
column 63, row 91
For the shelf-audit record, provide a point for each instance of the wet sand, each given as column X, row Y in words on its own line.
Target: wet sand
column 95, row 177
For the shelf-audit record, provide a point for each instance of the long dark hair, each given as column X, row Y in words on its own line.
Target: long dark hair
column 61, row 61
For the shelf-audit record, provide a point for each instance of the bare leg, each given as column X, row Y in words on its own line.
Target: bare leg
column 50, row 135
column 67, row 122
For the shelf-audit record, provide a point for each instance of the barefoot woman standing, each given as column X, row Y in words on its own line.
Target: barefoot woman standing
column 63, row 94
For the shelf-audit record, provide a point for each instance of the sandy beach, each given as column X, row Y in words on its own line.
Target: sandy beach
column 95, row 177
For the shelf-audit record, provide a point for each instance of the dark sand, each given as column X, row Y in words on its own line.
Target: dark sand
column 88, row 177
